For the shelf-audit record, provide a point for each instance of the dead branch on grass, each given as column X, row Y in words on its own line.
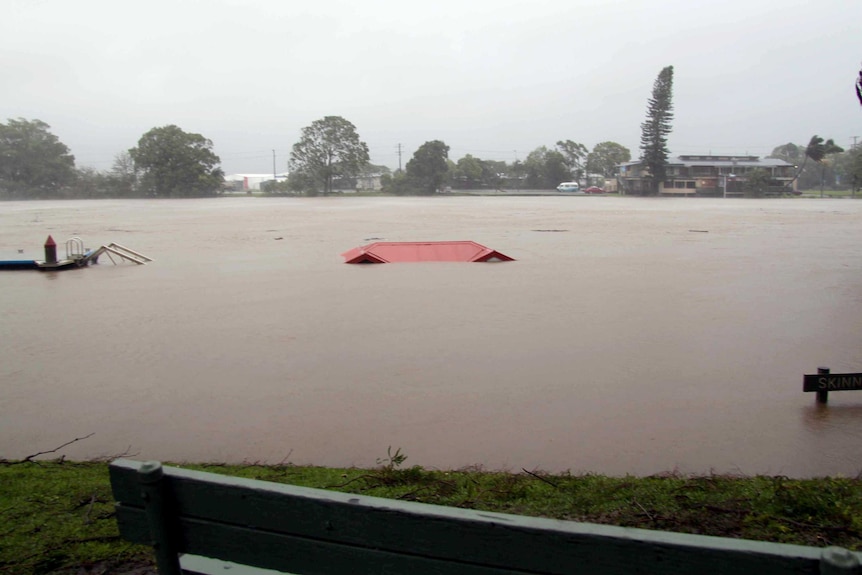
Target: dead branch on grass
column 87, row 519
column 285, row 460
column 540, row 478
column 647, row 513
column 358, row 477
column 30, row 458
column 113, row 456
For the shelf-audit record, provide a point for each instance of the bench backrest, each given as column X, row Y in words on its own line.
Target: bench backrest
column 313, row 531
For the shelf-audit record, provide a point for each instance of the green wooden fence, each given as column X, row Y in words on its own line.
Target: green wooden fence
column 318, row 532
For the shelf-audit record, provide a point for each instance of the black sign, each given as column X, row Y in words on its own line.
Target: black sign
column 832, row 382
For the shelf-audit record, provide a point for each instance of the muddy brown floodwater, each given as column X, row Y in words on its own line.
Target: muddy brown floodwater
column 630, row 336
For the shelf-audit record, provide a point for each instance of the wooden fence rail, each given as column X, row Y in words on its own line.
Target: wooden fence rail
column 319, row 532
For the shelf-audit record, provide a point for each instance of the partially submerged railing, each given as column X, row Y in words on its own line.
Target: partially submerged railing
column 115, row 249
column 74, row 248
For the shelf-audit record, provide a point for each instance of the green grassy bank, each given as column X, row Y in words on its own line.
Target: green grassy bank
column 58, row 516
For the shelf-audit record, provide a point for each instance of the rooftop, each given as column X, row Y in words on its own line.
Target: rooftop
column 454, row 251
column 689, row 160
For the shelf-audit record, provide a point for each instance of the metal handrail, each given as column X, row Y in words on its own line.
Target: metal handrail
column 74, row 248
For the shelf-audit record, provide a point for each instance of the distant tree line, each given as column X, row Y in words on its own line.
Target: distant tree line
column 167, row 162
column 330, row 156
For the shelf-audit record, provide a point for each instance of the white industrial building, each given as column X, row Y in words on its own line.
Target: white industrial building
column 250, row 182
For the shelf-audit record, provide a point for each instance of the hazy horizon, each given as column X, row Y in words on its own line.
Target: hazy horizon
column 491, row 79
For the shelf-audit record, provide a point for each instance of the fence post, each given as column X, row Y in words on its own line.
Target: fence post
column 839, row 561
column 822, row 394
column 150, row 477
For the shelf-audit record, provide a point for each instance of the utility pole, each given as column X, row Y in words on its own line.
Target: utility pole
column 854, row 142
column 399, row 157
column 273, row 165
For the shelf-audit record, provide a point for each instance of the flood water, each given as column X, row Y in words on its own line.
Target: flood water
column 630, row 336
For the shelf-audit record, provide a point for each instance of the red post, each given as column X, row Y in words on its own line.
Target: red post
column 50, row 251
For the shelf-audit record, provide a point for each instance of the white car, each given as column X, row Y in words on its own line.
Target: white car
column 569, row 187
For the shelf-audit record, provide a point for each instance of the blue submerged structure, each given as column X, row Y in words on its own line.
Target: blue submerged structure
column 76, row 256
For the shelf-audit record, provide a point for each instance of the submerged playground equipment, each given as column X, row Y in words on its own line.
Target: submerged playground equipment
column 391, row 252
column 76, row 256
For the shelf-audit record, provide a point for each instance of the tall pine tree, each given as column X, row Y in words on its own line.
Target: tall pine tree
column 655, row 129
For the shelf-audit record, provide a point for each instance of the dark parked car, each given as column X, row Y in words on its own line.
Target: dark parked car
column 594, row 190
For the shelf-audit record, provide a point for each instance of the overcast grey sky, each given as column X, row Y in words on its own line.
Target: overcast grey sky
column 492, row 78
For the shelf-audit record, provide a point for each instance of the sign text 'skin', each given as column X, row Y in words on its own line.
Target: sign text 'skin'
column 832, row 382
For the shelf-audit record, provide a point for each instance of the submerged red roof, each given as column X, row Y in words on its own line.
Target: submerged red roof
column 389, row 252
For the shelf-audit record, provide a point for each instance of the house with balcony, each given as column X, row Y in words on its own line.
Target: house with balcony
column 708, row 176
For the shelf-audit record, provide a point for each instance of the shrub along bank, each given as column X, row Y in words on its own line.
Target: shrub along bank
column 57, row 516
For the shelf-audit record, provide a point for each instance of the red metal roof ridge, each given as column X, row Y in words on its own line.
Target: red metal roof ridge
column 387, row 252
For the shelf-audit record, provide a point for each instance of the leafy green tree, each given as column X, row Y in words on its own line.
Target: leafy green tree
column 492, row 172
column 657, row 127
column 451, row 167
column 846, row 169
column 386, row 181
column 428, row 168
column 605, row 158
column 818, row 151
column 176, row 164
column 516, row 175
column 301, row 182
column 124, row 176
column 545, row 169
column 471, row 173
column 557, row 169
column 467, row 173
column 806, row 175
column 397, row 183
column 789, row 152
column 33, row 161
column 757, row 183
column 574, row 156
column 854, row 169
column 534, row 168
column 328, row 149
column 91, row 184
